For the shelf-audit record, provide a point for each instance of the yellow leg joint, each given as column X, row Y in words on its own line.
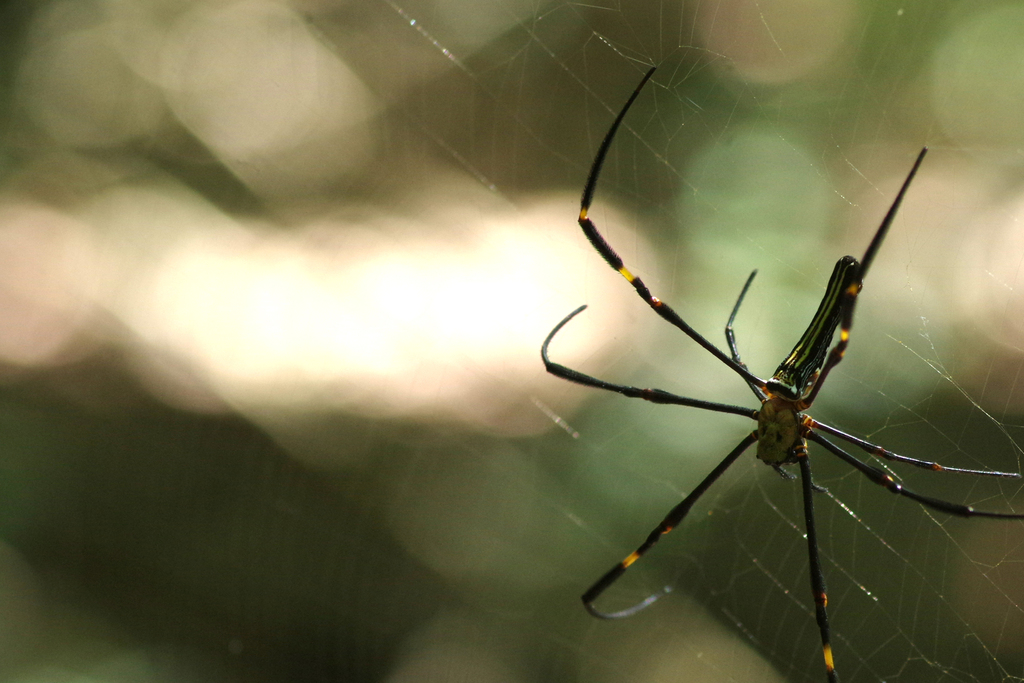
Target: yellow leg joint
column 626, row 274
column 630, row 560
column 583, row 214
column 829, row 664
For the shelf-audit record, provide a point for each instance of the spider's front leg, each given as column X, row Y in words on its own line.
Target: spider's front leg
column 730, row 337
column 606, row 251
column 852, row 290
column 652, row 395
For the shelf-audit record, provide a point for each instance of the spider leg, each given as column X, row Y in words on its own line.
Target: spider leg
column 613, row 259
column 879, row 477
column 783, row 473
column 672, row 520
column 653, row 395
column 790, row 477
column 817, row 577
column 730, row 337
column 850, row 296
column 895, row 457
column 876, row 241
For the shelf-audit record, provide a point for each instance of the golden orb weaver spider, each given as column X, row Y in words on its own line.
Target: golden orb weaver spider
column 783, row 429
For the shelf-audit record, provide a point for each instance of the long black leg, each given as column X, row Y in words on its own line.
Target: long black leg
column 817, row 577
column 850, row 297
column 884, row 480
column 730, row 336
column 876, row 450
column 876, row 241
column 613, row 259
column 653, row 395
column 671, row 521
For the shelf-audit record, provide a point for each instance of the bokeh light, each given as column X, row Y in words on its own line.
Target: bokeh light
column 775, row 42
column 982, row 53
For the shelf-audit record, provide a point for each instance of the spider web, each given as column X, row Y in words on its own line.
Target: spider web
column 758, row 146
column 275, row 281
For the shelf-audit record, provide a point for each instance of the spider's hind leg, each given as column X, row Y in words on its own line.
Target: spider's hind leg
column 818, row 590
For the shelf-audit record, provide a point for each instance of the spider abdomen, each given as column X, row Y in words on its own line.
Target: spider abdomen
column 796, row 375
column 778, row 431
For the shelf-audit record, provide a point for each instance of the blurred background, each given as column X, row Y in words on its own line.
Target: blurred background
column 274, row 278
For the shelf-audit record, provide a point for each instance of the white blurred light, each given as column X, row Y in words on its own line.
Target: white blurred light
column 265, row 311
column 76, row 87
column 274, row 104
column 443, row 314
column 48, row 281
column 778, row 41
column 990, row 266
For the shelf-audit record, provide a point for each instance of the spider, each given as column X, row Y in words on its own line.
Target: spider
column 783, row 428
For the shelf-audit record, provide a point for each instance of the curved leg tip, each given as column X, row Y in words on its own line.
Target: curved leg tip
column 628, row 612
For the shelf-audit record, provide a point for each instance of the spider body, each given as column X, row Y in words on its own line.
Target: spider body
column 783, row 426
column 781, row 429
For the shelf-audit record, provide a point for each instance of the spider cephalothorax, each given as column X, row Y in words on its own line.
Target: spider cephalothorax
column 780, row 434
